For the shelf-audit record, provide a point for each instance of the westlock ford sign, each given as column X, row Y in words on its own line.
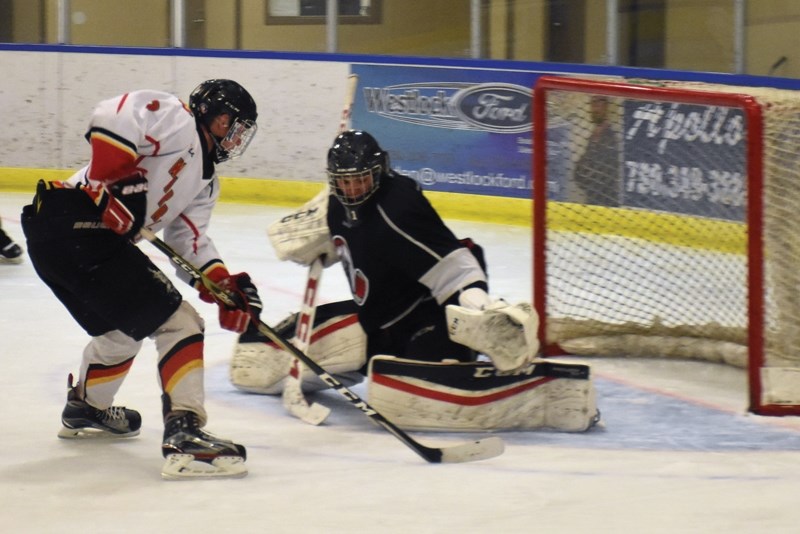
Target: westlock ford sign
column 451, row 130
column 489, row 107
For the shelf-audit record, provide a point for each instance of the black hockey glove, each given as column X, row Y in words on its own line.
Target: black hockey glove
column 124, row 205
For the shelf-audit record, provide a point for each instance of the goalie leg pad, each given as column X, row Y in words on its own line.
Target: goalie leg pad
column 338, row 344
column 472, row 396
column 259, row 367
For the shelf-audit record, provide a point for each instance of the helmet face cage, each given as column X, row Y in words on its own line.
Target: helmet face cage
column 354, row 187
column 236, row 141
column 216, row 97
column 355, row 165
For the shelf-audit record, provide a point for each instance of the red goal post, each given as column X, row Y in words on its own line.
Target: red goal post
column 667, row 224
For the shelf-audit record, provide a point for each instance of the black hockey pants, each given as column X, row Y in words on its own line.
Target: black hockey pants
column 104, row 280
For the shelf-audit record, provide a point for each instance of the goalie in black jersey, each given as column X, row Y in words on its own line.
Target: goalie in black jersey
column 421, row 313
column 403, row 264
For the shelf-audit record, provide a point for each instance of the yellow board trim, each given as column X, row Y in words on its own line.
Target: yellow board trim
column 694, row 232
column 291, row 193
column 22, row 180
column 681, row 230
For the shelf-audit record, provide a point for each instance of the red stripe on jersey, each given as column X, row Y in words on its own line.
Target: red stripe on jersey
column 194, row 230
column 156, row 145
column 111, row 160
column 463, row 400
column 185, row 357
column 122, row 102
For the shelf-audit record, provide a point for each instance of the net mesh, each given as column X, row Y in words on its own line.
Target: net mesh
column 646, row 249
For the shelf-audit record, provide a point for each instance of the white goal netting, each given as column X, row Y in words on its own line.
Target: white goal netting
column 671, row 225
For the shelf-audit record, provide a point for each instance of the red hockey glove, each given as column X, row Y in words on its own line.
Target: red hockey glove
column 244, row 293
column 124, row 205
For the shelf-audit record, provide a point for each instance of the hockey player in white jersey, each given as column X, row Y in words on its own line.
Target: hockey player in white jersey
column 153, row 165
column 421, row 312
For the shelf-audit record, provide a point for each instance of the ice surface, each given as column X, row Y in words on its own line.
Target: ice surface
column 677, row 453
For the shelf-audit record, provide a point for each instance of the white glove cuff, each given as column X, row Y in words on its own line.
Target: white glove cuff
column 474, row 298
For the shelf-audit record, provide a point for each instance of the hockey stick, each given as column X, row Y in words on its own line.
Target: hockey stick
column 349, row 99
column 293, row 399
column 464, row 452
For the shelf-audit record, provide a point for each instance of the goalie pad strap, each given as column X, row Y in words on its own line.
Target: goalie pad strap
column 476, row 375
column 472, row 396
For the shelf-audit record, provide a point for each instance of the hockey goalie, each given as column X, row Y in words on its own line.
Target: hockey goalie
column 438, row 351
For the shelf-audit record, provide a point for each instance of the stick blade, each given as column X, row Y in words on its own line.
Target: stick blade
column 313, row 414
column 296, row 404
column 473, row 451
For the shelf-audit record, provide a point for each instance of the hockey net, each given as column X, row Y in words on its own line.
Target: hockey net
column 672, row 229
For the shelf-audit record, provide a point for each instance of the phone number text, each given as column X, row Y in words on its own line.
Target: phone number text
column 690, row 183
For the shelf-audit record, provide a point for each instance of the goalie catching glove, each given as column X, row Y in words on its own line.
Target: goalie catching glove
column 243, row 291
column 505, row 333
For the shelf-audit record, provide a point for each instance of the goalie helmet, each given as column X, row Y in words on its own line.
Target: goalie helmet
column 355, row 165
column 216, row 97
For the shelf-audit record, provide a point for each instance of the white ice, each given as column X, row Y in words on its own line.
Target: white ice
column 678, row 452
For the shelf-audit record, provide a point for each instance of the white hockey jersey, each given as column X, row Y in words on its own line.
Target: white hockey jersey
column 155, row 134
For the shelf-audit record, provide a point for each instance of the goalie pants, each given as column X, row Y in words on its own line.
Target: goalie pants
column 117, row 295
column 421, row 335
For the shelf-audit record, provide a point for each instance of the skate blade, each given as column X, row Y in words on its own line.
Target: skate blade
column 185, row 467
column 92, row 433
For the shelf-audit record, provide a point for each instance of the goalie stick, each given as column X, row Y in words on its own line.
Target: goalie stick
column 464, row 452
column 293, row 399
column 350, row 97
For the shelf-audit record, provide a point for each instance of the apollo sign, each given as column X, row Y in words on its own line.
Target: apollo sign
column 709, row 125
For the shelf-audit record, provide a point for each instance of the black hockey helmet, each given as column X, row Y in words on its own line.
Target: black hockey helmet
column 355, row 165
column 216, row 97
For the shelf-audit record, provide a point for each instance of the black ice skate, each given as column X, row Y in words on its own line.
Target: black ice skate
column 81, row 420
column 192, row 453
column 11, row 253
